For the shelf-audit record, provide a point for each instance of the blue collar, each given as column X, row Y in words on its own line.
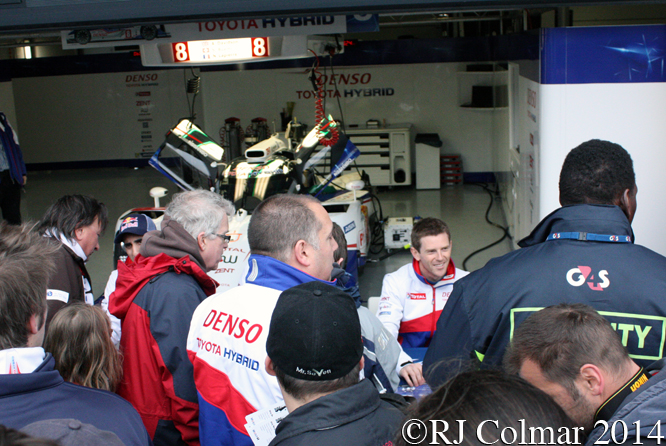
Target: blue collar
column 271, row 273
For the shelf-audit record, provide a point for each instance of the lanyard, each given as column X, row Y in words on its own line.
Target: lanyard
column 588, row 236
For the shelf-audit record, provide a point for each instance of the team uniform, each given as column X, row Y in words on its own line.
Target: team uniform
column 577, row 254
column 227, row 346
column 410, row 305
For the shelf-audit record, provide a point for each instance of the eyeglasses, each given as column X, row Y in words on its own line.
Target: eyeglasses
column 128, row 246
column 225, row 238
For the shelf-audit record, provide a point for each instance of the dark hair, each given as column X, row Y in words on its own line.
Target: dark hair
column 12, row 437
column 491, row 396
column 26, row 265
column 341, row 240
column 301, row 389
column 279, row 222
column 596, row 172
column 561, row 339
column 426, row 227
column 72, row 212
column 80, row 341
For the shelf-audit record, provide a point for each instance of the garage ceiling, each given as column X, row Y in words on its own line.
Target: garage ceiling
column 51, row 15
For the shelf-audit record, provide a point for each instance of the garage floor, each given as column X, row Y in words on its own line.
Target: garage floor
column 462, row 207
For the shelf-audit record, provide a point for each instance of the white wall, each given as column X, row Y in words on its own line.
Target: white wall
column 97, row 116
column 7, row 104
column 631, row 115
column 425, row 95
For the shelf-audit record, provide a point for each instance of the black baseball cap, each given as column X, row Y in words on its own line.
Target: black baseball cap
column 315, row 333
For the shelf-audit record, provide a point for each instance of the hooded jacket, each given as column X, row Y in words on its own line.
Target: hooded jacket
column 577, row 254
column 155, row 298
column 355, row 415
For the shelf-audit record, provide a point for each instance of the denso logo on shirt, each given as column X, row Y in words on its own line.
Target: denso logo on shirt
column 417, row 296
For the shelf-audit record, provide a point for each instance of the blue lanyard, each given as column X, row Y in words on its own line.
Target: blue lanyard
column 587, row 236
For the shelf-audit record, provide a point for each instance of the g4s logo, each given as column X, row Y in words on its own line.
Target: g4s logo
column 578, row 276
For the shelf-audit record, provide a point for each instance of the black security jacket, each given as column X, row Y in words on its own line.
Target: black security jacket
column 625, row 282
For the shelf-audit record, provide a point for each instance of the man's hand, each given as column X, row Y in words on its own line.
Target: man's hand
column 413, row 374
column 25, row 179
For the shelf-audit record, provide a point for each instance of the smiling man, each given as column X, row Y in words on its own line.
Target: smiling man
column 414, row 296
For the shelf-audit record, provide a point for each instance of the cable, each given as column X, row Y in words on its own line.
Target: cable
column 342, row 117
column 193, row 87
column 505, row 230
column 320, row 114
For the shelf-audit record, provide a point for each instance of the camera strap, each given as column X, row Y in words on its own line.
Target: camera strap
column 610, row 406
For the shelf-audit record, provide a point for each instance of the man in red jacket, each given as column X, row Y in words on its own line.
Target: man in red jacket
column 155, row 297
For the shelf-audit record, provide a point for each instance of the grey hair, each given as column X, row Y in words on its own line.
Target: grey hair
column 199, row 211
column 279, row 222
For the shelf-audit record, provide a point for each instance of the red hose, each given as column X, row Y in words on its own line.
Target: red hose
column 319, row 107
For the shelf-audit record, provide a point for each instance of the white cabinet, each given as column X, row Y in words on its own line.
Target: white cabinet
column 386, row 154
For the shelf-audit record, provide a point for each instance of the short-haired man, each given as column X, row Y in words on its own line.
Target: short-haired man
column 74, row 223
column 31, row 389
column 291, row 242
column 315, row 349
column 155, row 298
column 414, row 296
column 582, row 252
column 381, row 351
column 573, row 354
column 130, row 235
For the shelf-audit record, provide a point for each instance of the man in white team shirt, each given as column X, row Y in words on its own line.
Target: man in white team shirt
column 291, row 242
column 414, row 296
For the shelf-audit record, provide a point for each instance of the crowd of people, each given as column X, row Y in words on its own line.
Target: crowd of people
column 558, row 342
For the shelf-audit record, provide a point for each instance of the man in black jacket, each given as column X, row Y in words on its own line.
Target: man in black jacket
column 314, row 348
column 583, row 252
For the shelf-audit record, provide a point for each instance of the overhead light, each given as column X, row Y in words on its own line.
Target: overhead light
column 27, row 51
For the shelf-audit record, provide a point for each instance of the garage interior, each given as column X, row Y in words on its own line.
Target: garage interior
column 30, row 55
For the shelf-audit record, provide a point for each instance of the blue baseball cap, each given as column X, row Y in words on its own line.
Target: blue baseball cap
column 137, row 224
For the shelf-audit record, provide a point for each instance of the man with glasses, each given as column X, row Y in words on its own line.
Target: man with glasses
column 130, row 235
column 155, row 298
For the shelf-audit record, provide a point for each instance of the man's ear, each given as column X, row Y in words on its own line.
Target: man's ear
column 415, row 253
column 35, row 324
column 201, row 241
column 301, row 253
column 269, row 366
column 592, row 379
column 627, row 202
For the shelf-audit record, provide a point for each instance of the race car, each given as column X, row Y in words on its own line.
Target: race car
column 192, row 160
